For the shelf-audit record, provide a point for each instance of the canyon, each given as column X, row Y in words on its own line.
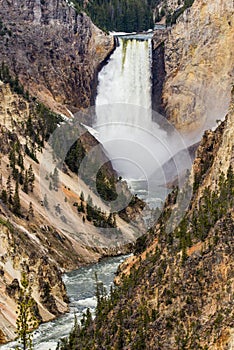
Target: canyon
column 50, row 58
column 40, row 241
column 176, row 290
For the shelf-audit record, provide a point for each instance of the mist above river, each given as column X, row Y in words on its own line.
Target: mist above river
column 137, row 146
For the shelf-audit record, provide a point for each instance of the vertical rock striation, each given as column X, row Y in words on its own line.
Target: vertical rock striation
column 158, row 71
column 199, row 65
column 55, row 52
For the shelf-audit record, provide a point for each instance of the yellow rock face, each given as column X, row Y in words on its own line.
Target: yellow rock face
column 199, row 55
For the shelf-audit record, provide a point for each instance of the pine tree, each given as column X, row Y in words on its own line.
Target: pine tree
column 21, row 177
column 81, row 208
column 20, row 161
column 82, row 196
column 55, row 178
column 29, row 126
column 31, row 178
column 16, row 200
column 45, row 202
column 9, row 190
column 30, row 210
column 90, row 201
column 12, row 158
column 25, row 320
column 58, row 208
column 25, row 184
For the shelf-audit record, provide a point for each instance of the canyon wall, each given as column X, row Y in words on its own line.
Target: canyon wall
column 55, row 52
column 158, row 70
column 199, row 65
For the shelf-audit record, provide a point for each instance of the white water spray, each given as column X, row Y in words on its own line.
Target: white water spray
column 135, row 144
column 127, row 77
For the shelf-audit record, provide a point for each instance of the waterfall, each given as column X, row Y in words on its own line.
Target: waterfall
column 127, row 77
column 137, row 146
column 123, row 105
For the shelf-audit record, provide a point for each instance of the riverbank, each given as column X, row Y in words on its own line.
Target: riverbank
column 80, row 285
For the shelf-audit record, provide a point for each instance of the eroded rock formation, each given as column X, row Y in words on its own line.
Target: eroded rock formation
column 199, row 65
column 55, row 52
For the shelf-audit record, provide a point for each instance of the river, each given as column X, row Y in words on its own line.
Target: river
column 80, row 286
column 137, row 147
